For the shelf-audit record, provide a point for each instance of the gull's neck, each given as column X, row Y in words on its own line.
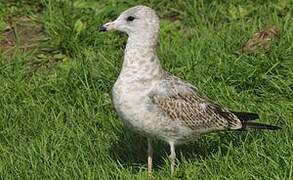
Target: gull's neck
column 140, row 47
column 140, row 58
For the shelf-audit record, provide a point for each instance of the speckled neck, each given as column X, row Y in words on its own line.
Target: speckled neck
column 140, row 58
column 140, row 47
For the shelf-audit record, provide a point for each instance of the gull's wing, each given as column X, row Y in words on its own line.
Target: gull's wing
column 180, row 101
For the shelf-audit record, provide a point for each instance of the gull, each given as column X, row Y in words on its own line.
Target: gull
column 157, row 104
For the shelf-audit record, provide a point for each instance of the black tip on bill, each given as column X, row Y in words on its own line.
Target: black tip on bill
column 102, row 28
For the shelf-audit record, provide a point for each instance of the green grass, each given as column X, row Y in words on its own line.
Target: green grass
column 56, row 115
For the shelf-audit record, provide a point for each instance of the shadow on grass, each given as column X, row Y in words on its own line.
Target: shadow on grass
column 131, row 149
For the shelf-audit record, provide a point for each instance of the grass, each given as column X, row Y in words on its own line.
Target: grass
column 56, row 116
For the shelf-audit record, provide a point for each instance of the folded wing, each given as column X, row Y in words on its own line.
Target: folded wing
column 181, row 102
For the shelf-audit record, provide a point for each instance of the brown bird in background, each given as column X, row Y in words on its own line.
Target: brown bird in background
column 261, row 40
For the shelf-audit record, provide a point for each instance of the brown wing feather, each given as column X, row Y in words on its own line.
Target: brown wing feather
column 183, row 103
column 197, row 114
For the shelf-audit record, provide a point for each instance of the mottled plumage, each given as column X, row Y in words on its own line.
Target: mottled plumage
column 155, row 103
column 182, row 102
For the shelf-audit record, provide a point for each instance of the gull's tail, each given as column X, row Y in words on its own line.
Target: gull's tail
column 246, row 118
column 255, row 125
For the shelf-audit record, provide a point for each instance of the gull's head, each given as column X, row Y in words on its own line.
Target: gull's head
column 138, row 20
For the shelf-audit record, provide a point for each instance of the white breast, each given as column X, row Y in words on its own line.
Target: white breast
column 131, row 104
column 137, row 111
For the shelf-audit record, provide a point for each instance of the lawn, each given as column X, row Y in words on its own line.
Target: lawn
column 57, row 71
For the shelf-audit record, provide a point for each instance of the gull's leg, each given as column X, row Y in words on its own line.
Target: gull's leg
column 172, row 157
column 150, row 156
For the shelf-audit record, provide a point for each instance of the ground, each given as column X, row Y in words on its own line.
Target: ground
column 56, row 74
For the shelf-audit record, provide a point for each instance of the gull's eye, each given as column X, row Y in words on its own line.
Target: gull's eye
column 130, row 18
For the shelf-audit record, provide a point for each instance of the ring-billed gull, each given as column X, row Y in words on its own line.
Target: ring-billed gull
column 157, row 104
